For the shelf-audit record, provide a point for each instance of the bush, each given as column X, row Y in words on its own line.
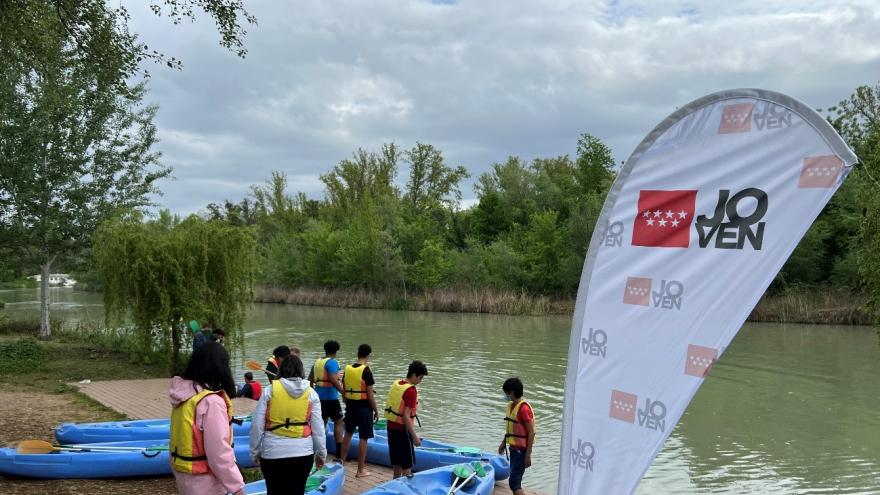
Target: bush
column 21, row 354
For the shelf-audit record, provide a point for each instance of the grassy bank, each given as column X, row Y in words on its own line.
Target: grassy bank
column 813, row 305
column 823, row 305
column 35, row 397
column 475, row 300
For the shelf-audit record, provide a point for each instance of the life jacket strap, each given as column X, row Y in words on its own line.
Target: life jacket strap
column 188, row 459
column 287, row 424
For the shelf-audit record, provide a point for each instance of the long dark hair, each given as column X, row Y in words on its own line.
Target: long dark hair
column 292, row 367
column 209, row 367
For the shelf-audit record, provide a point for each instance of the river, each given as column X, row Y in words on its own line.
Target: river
column 788, row 409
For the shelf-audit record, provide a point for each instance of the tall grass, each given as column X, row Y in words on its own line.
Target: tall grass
column 470, row 300
column 822, row 305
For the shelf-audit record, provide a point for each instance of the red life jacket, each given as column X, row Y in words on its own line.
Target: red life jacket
column 257, row 390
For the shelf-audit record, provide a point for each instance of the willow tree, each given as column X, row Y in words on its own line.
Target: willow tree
column 159, row 271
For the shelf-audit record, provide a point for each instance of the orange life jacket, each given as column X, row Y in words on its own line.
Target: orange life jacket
column 517, row 434
column 395, row 406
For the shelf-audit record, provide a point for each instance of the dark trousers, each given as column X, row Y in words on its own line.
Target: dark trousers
column 286, row 476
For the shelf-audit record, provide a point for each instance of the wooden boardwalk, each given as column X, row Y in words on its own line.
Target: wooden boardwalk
column 147, row 399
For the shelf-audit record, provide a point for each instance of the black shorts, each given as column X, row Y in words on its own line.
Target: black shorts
column 400, row 449
column 360, row 418
column 331, row 409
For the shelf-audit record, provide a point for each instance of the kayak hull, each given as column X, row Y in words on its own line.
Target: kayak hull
column 436, row 481
column 330, row 486
column 377, row 453
column 97, row 464
column 125, row 431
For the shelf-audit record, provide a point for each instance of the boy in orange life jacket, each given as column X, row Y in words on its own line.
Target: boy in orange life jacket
column 400, row 409
column 274, row 363
column 520, row 433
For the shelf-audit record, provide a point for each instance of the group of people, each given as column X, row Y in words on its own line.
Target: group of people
column 287, row 436
column 200, row 334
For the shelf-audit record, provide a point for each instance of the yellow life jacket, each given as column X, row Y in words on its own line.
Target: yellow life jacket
column 320, row 373
column 395, row 406
column 287, row 416
column 517, row 434
column 353, row 383
column 187, row 443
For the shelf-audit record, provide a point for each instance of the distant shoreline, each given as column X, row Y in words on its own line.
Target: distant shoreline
column 816, row 305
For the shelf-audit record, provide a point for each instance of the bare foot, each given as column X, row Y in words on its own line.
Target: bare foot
column 363, row 474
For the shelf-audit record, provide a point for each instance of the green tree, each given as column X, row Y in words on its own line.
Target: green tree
column 858, row 120
column 366, row 179
column 432, row 184
column 154, row 274
column 435, row 266
column 73, row 147
column 98, row 33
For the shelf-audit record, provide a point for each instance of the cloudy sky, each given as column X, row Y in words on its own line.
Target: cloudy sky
column 480, row 79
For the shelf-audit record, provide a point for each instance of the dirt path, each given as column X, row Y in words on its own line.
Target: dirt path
column 31, row 415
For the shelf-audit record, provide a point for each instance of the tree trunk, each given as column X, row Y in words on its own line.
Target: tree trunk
column 175, row 346
column 45, row 330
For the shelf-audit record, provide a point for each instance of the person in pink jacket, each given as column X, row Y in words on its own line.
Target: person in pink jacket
column 202, row 458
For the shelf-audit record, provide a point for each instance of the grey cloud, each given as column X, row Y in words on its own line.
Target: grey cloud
column 480, row 79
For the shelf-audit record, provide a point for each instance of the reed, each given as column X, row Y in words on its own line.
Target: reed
column 458, row 300
column 822, row 305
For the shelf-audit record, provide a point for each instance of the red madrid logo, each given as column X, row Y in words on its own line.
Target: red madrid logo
column 664, row 218
column 699, row 360
column 736, row 118
column 820, row 171
column 623, row 406
column 637, row 291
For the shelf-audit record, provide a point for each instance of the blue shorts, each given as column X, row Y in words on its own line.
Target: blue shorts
column 517, row 468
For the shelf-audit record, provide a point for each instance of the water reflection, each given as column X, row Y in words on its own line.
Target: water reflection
column 787, row 410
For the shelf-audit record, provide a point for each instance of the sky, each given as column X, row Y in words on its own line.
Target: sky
column 479, row 79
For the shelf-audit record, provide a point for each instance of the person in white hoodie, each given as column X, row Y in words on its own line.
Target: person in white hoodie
column 287, row 432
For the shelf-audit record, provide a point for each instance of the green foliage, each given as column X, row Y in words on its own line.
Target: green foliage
column 19, row 355
column 98, row 34
column 155, row 273
column 434, row 267
column 75, row 145
column 858, row 120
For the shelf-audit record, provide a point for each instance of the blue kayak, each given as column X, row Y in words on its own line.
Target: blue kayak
column 93, row 462
column 326, row 481
column 439, row 481
column 429, row 455
column 127, row 431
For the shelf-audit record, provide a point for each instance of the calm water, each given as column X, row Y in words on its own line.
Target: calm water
column 788, row 409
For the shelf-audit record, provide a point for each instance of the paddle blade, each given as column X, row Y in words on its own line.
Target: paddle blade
column 35, row 447
column 253, row 365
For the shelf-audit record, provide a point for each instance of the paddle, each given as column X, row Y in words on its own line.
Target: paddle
column 456, row 450
column 453, row 489
column 462, row 472
column 253, row 365
column 43, row 447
